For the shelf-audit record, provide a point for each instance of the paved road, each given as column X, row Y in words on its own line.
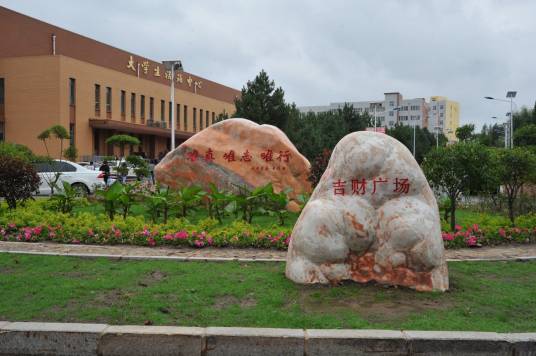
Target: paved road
column 125, row 251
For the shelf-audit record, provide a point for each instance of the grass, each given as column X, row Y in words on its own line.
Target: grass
column 484, row 296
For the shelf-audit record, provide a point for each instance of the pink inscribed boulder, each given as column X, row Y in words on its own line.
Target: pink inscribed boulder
column 237, row 152
column 372, row 217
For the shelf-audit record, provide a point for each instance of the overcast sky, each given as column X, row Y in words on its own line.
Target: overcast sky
column 328, row 51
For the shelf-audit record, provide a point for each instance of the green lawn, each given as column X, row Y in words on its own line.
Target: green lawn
column 484, row 296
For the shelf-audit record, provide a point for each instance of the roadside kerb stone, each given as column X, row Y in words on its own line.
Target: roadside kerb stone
column 355, row 342
column 523, row 344
column 148, row 257
column 456, row 343
column 151, row 340
column 257, row 341
column 30, row 338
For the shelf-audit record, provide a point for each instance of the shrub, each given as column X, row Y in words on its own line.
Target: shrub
column 17, row 151
column 318, row 167
column 18, row 180
column 71, row 153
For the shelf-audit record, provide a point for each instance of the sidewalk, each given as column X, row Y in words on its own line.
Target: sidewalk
column 512, row 252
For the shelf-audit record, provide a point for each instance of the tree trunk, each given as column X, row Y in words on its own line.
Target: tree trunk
column 453, row 213
column 511, row 209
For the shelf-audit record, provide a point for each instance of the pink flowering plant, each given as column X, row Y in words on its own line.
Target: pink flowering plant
column 33, row 223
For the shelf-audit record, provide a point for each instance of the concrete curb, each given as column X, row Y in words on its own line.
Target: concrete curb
column 224, row 259
column 30, row 338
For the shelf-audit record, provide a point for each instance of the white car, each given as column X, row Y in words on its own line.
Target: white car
column 82, row 179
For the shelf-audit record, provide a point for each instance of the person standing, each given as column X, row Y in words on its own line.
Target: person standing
column 105, row 169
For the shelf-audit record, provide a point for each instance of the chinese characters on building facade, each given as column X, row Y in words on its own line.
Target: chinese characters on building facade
column 360, row 186
column 144, row 68
column 273, row 159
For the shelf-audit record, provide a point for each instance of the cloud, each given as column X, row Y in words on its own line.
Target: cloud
column 322, row 52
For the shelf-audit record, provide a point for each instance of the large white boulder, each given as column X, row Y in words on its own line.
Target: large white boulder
column 372, row 217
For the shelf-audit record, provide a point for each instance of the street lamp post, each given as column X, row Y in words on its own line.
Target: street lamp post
column 173, row 65
column 505, row 126
column 510, row 95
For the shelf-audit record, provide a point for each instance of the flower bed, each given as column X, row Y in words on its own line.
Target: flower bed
column 33, row 223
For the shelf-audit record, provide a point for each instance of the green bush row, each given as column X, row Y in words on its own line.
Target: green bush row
column 33, row 223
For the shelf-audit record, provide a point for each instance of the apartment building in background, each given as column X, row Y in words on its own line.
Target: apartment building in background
column 439, row 113
column 51, row 76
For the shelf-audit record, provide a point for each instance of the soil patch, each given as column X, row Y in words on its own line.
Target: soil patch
column 373, row 303
column 152, row 278
column 226, row 301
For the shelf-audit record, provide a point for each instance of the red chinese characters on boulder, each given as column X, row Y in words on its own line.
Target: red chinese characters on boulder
column 267, row 155
column 246, row 157
column 401, row 185
column 192, row 155
column 209, row 155
column 376, row 181
column 284, row 156
column 359, row 186
column 230, row 156
column 338, row 187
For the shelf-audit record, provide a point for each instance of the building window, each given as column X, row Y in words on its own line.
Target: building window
column 142, row 106
column 185, row 117
column 123, row 103
column 2, row 130
column 441, row 115
column 195, row 119
column 108, row 99
column 97, row 99
column 72, row 91
column 71, row 134
column 151, row 108
column 132, row 105
column 213, row 117
column 200, row 119
column 206, row 119
column 391, row 113
column 441, row 107
column 2, row 86
column 162, row 110
column 391, row 103
column 178, row 117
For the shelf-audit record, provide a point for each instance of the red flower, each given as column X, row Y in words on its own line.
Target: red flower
column 502, row 232
column 151, row 242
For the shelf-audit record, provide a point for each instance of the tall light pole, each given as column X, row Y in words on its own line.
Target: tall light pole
column 173, row 65
column 505, row 126
column 511, row 95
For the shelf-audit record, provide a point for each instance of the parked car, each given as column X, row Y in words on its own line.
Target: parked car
column 83, row 179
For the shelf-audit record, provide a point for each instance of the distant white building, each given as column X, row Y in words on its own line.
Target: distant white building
column 439, row 112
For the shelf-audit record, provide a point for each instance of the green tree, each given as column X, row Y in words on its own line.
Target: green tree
column 262, row 102
column 516, row 167
column 465, row 167
column 60, row 133
column 492, row 136
column 122, row 141
column 525, row 136
column 465, row 132
column 424, row 139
